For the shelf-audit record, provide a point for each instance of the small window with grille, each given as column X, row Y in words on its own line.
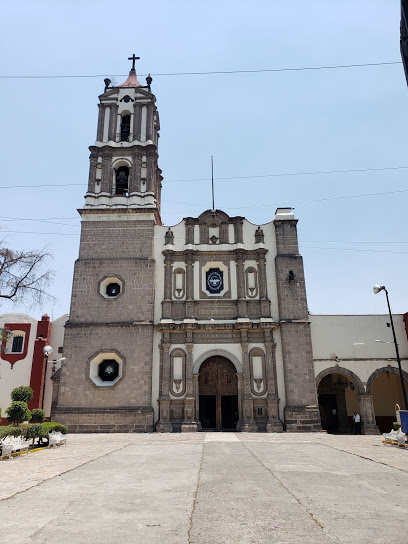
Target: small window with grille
column 17, row 346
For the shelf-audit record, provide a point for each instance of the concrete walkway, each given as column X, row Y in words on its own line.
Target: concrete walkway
column 207, row 488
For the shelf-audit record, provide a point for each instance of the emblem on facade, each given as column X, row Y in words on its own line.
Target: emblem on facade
column 215, row 283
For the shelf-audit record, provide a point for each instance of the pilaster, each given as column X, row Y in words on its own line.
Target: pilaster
column 273, row 424
column 242, row 303
column 164, row 424
column 367, row 415
column 137, row 120
column 189, row 260
column 248, row 423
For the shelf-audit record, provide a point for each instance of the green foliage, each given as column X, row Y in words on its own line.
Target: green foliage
column 396, row 426
column 37, row 415
column 49, row 426
column 32, row 431
column 10, row 430
column 22, row 394
column 18, row 412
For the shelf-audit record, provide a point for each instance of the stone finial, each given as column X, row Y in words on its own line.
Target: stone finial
column 259, row 236
column 169, row 237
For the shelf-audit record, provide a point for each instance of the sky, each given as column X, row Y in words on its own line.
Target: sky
column 259, row 126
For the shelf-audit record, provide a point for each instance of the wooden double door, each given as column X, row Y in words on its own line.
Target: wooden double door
column 218, row 394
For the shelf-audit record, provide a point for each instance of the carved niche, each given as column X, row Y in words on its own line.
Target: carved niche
column 179, row 283
column 177, row 372
column 257, row 368
column 251, row 282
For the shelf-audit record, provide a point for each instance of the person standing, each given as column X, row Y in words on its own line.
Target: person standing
column 357, row 423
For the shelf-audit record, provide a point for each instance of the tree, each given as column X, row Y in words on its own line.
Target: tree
column 24, row 393
column 24, row 275
column 18, row 412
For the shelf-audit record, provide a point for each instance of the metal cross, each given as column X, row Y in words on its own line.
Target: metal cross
column 133, row 58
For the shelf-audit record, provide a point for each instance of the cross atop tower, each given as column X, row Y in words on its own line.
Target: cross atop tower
column 133, row 58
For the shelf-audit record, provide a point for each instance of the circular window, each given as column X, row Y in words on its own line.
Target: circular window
column 113, row 289
column 108, row 370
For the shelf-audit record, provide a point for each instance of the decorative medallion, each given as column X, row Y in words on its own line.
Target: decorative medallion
column 214, row 280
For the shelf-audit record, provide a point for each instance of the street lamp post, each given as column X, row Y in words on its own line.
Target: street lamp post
column 377, row 289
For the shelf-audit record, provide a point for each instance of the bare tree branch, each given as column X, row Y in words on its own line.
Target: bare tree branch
column 24, row 275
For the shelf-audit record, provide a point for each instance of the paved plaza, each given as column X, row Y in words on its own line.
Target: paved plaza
column 207, row 488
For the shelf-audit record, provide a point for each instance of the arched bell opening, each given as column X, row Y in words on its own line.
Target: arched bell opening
column 338, row 399
column 122, row 181
column 218, row 394
column 125, row 128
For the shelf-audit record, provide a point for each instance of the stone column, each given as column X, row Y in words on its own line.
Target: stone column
column 189, row 424
column 113, row 122
column 166, row 304
column 164, row 424
column 238, row 232
column 196, row 392
column 224, row 233
column 101, row 118
column 273, row 425
column 137, row 120
column 263, row 286
column 240, row 395
column 242, row 304
column 92, row 172
column 151, row 170
column 149, row 122
column 248, row 422
column 106, row 181
column 134, row 181
column 189, row 260
column 367, row 415
column 189, row 230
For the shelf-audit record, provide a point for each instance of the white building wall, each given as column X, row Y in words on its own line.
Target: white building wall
column 349, row 341
column 20, row 374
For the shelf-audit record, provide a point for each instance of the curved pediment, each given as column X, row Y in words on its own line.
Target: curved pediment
column 213, row 218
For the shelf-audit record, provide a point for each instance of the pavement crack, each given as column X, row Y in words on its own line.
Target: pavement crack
column 195, row 496
column 37, row 484
column 297, row 499
column 363, row 457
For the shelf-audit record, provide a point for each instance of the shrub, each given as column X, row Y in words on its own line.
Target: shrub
column 49, row 426
column 9, row 430
column 32, row 431
column 396, row 426
column 37, row 415
column 22, row 394
column 18, row 412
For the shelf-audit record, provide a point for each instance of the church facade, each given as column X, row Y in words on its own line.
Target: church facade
column 203, row 325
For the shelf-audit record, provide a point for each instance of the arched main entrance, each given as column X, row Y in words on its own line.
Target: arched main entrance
column 218, row 394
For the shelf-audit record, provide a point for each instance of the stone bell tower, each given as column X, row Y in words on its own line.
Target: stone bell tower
column 109, row 335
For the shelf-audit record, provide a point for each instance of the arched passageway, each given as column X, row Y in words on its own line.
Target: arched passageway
column 386, row 389
column 218, row 394
column 338, row 399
